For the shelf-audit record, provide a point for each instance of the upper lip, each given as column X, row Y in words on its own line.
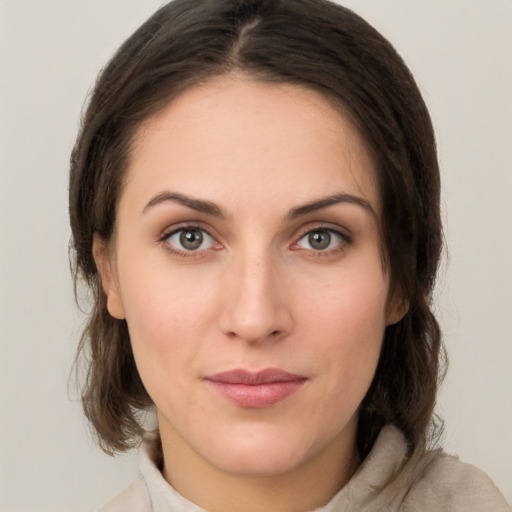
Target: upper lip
column 266, row 376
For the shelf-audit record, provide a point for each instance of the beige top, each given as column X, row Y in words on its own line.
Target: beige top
column 387, row 480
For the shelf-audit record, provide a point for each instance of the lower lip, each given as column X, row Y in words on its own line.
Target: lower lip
column 257, row 396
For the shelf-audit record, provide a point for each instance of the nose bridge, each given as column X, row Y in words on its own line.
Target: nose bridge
column 256, row 308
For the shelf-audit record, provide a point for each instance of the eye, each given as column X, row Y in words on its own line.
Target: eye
column 321, row 240
column 190, row 239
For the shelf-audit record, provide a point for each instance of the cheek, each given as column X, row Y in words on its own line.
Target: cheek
column 159, row 296
column 167, row 317
column 347, row 323
column 349, row 307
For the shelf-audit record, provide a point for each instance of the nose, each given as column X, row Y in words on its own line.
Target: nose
column 256, row 306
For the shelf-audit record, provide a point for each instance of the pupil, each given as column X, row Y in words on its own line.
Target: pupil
column 191, row 239
column 320, row 240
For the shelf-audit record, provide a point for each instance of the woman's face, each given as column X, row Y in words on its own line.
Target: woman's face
column 246, row 261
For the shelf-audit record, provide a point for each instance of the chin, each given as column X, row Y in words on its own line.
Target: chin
column 258, row 462
column 260, row 454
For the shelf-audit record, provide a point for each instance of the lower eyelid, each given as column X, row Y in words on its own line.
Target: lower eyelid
column 181, row 251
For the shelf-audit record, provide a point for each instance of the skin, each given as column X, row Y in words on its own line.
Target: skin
column 256, row 294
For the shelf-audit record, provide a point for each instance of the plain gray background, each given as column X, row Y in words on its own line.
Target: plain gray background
column 51, row 50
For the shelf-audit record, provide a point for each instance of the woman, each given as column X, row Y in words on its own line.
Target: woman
column 254, row 200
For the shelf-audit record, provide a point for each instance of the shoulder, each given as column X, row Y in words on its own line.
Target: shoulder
column 134, row 498
column 445, row 483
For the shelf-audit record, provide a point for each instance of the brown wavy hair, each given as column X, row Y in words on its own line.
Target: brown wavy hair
column 316, row 44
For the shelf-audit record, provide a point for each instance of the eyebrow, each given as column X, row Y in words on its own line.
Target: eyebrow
column 330, row 201
column 211, row 208
column 190, row 202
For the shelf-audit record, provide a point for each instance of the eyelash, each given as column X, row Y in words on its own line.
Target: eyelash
column 345, row 240
column 164, row 239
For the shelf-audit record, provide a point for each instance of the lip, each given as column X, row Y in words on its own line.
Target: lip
column 256, row 390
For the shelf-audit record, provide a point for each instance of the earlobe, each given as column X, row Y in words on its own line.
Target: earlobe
column 397, row 308
column 102, row 258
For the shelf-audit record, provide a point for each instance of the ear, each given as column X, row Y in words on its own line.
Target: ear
column 102, row 258
column 397, row 307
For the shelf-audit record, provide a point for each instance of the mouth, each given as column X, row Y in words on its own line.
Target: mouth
column 256, row 390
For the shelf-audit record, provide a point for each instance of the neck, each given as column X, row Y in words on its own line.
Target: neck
column 304, row 488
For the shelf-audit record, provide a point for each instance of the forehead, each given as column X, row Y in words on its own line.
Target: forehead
column 236, row 138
